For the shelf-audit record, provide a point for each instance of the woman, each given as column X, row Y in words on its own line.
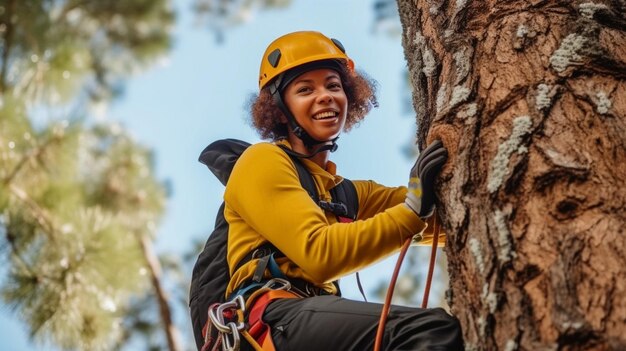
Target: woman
column 309, row 94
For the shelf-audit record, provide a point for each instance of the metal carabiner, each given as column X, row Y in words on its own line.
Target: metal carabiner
column 216, row 314
column 234, row 346
column 240, row 303
column 217, row 319
column 283, row 284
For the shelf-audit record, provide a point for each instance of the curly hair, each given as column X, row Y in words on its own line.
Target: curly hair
column 358, row 87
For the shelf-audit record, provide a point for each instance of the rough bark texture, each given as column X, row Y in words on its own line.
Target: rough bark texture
column 530, row 97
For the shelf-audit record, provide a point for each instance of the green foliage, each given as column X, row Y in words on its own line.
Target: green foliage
column 54, row 50
column 75, row 199
column 78, row 205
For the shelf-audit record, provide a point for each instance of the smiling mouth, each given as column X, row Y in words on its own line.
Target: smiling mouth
column 325, row 115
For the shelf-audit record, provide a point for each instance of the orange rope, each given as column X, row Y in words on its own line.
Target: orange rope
column 392, row 284
column 387, row 305
column 431, row 265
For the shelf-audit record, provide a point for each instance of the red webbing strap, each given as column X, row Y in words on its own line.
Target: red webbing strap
column 208, row 339
column 259, row 330
column 344, row 219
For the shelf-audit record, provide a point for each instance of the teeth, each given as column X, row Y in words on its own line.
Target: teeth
column 325, row 115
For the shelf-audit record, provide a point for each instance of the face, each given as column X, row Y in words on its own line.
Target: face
column 318, row 102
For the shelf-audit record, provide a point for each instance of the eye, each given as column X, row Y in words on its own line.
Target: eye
column 303, row 89
column 334, row 85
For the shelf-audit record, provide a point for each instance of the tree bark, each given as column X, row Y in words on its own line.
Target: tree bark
column 154, row 267
column 530, row 99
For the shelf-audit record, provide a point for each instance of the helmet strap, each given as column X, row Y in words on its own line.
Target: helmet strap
column 328, row 147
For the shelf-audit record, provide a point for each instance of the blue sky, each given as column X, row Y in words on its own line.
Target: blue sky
column 199, row 93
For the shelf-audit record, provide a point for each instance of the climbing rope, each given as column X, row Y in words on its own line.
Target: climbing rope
column 431, row 265
column 392, row 284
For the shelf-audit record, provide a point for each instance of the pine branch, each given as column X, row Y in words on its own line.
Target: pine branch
column 34, row 153
column 41, row 215
column 171, row 332
column 8, row 42
column 71, row 6
column 15, row 253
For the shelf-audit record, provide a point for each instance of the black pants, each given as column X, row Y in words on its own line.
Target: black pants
column 331, row 323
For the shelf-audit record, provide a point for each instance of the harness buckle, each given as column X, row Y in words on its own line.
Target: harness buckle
column 337, row 208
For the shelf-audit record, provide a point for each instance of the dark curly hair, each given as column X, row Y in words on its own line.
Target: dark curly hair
column 360, row 91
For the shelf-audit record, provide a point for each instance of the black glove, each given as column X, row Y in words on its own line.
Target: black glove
column 421, row 195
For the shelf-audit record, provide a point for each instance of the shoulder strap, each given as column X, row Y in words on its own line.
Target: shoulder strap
column 267, row 249
column 345, row 193
column 345, row 201
column 306, row 179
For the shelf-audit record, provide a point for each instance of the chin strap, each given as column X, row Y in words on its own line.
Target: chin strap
column 307, row 139
column 330, row 147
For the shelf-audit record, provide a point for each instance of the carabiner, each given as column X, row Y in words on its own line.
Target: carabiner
column 216, row 314
column 283, row 284
column 234, row 346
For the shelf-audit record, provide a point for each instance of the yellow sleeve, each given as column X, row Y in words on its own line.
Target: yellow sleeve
column 264, row 191
column 374, row 198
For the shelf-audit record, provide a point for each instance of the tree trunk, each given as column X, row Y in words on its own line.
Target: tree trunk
column 530, row 99
column 154, row 267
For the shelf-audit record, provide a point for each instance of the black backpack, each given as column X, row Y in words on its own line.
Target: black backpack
column 210, row 275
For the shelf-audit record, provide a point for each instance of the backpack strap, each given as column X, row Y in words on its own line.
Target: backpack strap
column 306, row 179
column 345, row 201
column 345, row 194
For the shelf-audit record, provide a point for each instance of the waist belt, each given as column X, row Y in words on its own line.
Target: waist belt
column 259, row 331
column 299, row 286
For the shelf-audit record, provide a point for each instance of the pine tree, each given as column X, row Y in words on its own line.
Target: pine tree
column 78, row 201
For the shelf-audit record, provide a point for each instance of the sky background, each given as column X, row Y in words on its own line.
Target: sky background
column 199, row 94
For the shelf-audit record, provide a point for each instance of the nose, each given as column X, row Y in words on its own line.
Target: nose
column 325, row 98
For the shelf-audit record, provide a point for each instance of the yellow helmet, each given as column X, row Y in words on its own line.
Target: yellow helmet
column 296, row 49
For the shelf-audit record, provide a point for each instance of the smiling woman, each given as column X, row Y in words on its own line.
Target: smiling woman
column 268, row 110
column 319, row 105
column 279, row 232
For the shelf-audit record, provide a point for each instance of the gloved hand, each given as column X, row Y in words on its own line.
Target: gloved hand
column 421, row 195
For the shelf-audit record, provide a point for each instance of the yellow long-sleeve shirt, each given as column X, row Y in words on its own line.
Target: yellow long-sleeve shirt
column 264, row 201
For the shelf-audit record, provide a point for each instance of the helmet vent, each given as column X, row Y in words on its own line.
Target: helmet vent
column 274, row 57
column 339, row 45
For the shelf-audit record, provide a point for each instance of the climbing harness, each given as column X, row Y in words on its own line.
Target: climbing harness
column 229, row 318
column 259, row 331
